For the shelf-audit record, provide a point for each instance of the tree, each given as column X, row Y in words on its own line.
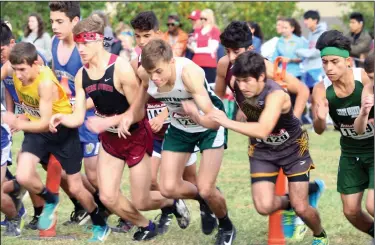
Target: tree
column 17, row 13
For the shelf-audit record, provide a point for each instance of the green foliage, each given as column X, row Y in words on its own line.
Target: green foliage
column 367, row 9
column 17, row 12
column 224, row 12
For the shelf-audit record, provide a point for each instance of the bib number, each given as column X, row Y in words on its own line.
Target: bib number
column 72, row 101
column 184, row 120
column 112, row 129
column 31, row 111
column 154, row 110
column 348, row 131
column 276, row 139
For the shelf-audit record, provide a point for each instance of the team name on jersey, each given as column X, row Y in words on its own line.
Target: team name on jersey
column 100, row 86
column 60, row 74
column 8, row 81
column 173, row 101
column 350, row 111
column 29, row 100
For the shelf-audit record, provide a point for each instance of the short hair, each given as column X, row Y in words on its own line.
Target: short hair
column 357, row 16
column 369, row 63
column 156, row 50
column 333, row 38
column 145, row 21
column 236, row 35
column 312, row 14
column 249, row 64
column 71, row 9
column 6, row 34
column 23, row 52
column 93, row 23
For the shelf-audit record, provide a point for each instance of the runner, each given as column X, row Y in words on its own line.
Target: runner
column 14, row 219
column 339, row 94
column 110, row 82
column 41, row 96
column 146, row 28
column 237, row 38
column 169, row 80
column 276, row 140
column 65, row 64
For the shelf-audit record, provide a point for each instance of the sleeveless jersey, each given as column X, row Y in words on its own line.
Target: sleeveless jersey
column 153, row 109
column 9, row 86
column 228, row 76
column 29, row 95
column 343, row 112
column 69, row 70
column 5, row 132
column 173, row 99
column 108, row 101
column 283, row 138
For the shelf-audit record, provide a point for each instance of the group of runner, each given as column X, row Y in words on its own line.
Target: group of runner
column 154, row 113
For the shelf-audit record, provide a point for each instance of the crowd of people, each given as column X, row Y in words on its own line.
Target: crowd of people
column 151, row 100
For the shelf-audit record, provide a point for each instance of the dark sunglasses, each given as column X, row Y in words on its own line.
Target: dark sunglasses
column 170, row 24
column 205, row 19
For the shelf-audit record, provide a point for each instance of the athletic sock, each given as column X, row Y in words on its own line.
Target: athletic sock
column 371, row 230
column 48, row 196
column 170, row 209
column 96, row 218
column 151, row 226
column 323, row 234
column 289, row 206
column 77, row 205
column 313, row 187
column 98, row 202
column 200, row 199
column 225, row 223
column 16, row 186
column 38, row 211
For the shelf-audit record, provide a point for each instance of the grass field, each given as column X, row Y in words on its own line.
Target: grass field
column 252, row 228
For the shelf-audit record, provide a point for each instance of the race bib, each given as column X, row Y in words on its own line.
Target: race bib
column 184, row 120
column 111, row 129
column 348, row 131
column 32, row 111
column 154, row 110
column 276, row 139
column 18, row 108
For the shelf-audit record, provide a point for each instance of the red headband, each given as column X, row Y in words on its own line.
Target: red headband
column 87, row 37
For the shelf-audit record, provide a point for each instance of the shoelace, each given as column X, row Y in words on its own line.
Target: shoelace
column 73, row 216
column 34, row 220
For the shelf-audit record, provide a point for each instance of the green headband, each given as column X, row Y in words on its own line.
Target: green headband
column 334, row 51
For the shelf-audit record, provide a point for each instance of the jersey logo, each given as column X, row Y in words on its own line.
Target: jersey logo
column 350, row 111
column 107, row 79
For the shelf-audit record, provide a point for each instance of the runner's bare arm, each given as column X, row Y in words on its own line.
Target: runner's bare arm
column 136, row 109
column 77, row 118
column 220, row 85
column 193, row 78
column 267, row 120
column 294, row 86
column 45, row 91
column 361, row 121
column 319, row 101
column 134, row 64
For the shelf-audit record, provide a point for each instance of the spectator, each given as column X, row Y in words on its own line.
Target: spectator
column 257, row 35
column 205, row 45
column 312, row 63
column 108, row 32
column 268, row 48
column 287, row 46
column 196, row 23
column 175, row 36
column 124, row 46
column 34, row 33
column 359, row 38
